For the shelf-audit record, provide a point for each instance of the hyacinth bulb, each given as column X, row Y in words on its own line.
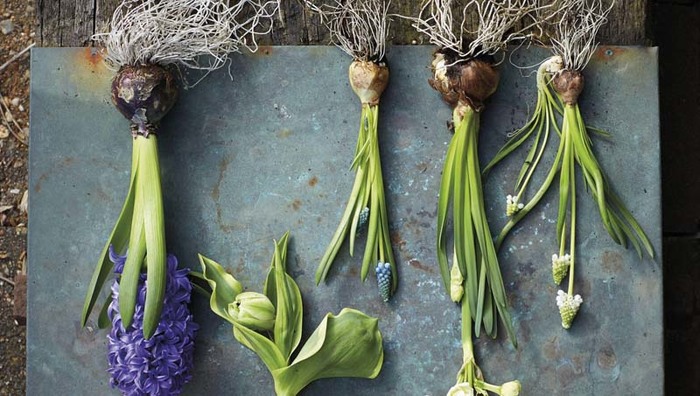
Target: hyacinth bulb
column 144, row 94
column 160, row 365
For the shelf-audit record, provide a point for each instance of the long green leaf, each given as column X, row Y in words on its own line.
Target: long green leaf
column 129, row 280
column 466, row 176
column 446, row 188
column 103, row 319
column 154, row 226
column 384, row 237
column 627, row 216
column 118, row 239
column 289, row 317
column 262, row 346
column 342, row 230
column 564, row 177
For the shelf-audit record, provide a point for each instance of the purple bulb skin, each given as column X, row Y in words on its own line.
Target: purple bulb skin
column 144, row 94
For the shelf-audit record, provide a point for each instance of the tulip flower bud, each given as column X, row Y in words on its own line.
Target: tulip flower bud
column 511, row 388
column 461, row 389
column 253, row 310
column 456, row 284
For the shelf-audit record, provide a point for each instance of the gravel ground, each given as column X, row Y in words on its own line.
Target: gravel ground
column 16, row 33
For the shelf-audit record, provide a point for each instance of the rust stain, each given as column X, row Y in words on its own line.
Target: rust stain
column 296, row 204
column 90, row 60
column 42, row 178
column 64, row 163
column 422, row 167
column 606, row 358
column 313, row 181
column 418, row 265
column 397, row 240
column 612, row 262
column 551, row 349
column 284, row 133
column 263, row 50
column 604, row 53
column 223, row 167
column 216, row 192
column 93, row 56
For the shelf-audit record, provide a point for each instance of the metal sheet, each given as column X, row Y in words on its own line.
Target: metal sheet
column 244, row 160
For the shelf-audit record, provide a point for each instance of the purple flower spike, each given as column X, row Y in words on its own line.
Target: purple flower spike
column 160, row 365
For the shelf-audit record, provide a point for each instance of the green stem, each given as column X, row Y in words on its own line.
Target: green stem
column 468, row 358
column 572, row 249
column 486, row 386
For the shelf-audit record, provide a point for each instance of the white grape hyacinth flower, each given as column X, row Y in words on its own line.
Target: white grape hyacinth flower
column 568, row 307
column 560, row 267
column 512, row 205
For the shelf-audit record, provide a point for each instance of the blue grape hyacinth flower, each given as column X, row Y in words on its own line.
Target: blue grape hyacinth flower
column 160, row 365
column 383, row 271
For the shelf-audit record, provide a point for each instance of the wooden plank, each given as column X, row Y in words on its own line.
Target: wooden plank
column 72, row 22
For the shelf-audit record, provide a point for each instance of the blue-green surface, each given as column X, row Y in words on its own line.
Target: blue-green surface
column 245, row 160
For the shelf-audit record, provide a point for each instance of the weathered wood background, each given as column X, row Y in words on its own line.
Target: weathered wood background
column 67, row 23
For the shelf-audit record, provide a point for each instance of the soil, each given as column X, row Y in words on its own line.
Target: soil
column 15, row 36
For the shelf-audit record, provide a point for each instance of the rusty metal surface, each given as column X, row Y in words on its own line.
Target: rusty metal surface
column 245, row 160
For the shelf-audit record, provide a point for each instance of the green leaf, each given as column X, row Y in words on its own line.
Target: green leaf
column 462, row 211
column 118, row 239
column 289, row 318
column 129, row 280
column 154, row 226
column 224, row 287
column 103, row 321
column 474, row 206
column 446, row 188
column 262, row 346
column 346, row 345
column 544, row 187
column 342, row 230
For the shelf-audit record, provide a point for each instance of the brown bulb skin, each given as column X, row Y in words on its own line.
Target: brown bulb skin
column 569, row 85
column 368, row 80
column 144, row 95
column 470, row 82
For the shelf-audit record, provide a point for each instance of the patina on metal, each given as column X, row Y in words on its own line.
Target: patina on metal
column 244, row 160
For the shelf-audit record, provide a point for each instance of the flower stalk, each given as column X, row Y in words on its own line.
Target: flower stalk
column 360, row 28
column 345, row 345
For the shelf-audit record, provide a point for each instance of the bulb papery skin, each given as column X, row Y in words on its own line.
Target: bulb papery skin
column 144, row 94
column 467, row 82
column 569, row 85
column 368, row 80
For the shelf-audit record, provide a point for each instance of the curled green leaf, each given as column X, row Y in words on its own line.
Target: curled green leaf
column 346, row 345
column 224, row 287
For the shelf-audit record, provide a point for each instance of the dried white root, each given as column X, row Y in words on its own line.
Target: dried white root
column 577, row 28
column 358, row 27
column 180, row 32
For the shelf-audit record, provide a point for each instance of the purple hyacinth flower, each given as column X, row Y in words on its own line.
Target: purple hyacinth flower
column 160, row 365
